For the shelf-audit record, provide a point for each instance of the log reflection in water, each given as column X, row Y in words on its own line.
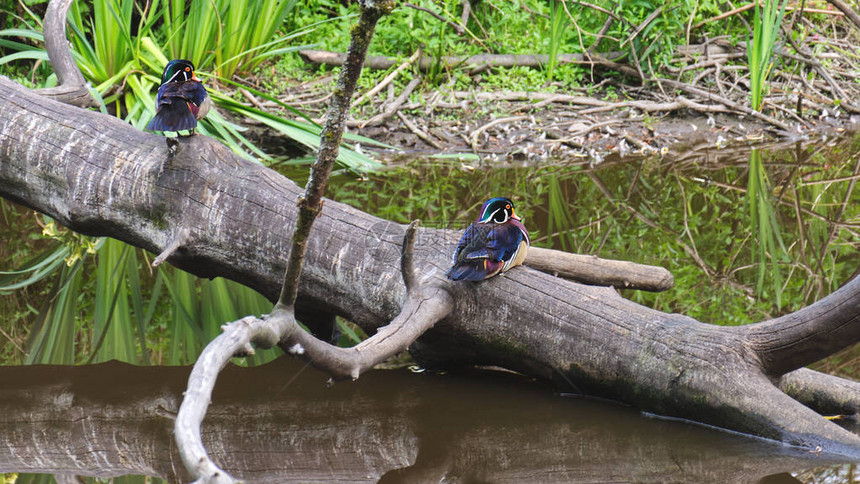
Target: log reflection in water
column 280, row 423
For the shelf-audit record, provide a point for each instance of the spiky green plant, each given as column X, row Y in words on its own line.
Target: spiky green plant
column 243, row 30
column 125, row 63
column 766, row 22
column 99, row 300
column 124, row 310
column 557, row 23
column 52, row 338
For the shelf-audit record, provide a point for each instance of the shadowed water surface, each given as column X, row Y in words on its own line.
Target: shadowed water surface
column 280, row 422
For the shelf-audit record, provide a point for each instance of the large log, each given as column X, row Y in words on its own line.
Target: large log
column 233, row 218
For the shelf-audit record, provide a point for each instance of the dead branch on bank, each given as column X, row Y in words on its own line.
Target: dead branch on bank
column 473, row 62
column 713, row 84
column 807, row 91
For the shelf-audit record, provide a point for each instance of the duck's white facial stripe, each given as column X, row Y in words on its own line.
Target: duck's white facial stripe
column 493, row 216
column 173, row 77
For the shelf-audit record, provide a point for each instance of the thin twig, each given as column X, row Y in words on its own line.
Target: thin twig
column 846, row 201
column 477, row 133
column 457, row 27
column 14, row 343
column 387, row 80
column 642, row 26
column 418, row 132
column 394, row 106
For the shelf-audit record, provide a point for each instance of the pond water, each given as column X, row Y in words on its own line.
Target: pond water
column 687, row 212
column 280, row 422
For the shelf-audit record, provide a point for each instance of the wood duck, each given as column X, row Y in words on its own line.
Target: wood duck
column 181, row 101
column 494, row 243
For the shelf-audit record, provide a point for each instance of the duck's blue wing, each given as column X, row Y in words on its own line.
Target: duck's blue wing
column 479, row 253
column 177, row 105
column 503, row 241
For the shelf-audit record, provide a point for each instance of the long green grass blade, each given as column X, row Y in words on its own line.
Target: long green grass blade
column 38, row 267
column 52, row 338
column 113, row 331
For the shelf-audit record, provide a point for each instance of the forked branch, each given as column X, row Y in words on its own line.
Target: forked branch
column 424, row 306
column 422, row 309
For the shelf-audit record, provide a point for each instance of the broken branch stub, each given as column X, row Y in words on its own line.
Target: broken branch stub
column 591, row 269
column 73, row 88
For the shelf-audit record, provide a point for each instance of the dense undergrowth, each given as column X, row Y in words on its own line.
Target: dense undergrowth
column 72, row 299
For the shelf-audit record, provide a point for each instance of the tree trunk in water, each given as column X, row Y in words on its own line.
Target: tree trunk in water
column 233, row 218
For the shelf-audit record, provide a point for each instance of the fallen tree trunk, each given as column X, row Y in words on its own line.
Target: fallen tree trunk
column 230, row 217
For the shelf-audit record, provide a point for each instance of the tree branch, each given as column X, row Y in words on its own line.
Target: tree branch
column 826, row 394
column 233, row 341
column 422, row 309
column 310, row 204
column 73, row 88
column 591, row 269
column 810, row 334
column 420, row 312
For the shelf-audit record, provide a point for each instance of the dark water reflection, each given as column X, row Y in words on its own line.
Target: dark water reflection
column 281, row 423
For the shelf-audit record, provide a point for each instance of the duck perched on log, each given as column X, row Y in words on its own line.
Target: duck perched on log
column 493, row 244
column 181, row 101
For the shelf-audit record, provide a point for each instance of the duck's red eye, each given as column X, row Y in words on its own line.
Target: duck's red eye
column 187, row 69
column 508, row 207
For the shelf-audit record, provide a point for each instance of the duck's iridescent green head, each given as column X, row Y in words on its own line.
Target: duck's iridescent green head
column 498, row 210
column 178, row 70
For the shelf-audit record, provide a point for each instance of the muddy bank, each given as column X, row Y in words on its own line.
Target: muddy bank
column 532, row 127
column 700, row 98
